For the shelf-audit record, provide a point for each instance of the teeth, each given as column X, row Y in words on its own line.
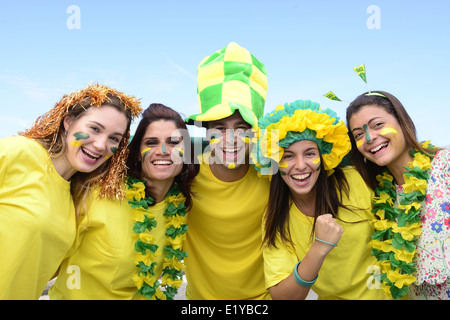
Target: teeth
column 229, row 150
column 91, row 154
column 379, row 147
column 301, row 176
column 161, row 162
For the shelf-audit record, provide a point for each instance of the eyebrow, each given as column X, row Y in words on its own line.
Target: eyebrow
column 103, row 127
column 371, row 120
column 220, row 123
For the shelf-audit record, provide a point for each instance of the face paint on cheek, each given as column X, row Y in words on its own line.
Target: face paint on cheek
column 359, row 143
column 245, row 139
column 79, row 136
column 366, row 128
column 145, row 153
column 113, row 150
column 317, row 161
column 386, row 131
column 180, row 152
column 214, row 141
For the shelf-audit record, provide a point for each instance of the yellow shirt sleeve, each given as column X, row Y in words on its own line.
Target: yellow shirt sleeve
column 37, row 218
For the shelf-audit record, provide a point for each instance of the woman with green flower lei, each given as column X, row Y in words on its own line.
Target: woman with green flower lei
column 412, row 202
column 132, row 248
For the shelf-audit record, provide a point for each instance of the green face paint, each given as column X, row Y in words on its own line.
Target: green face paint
column 79, row 136
column 163, row 148
column 231, row 135
column 145, row 152
column 113, row 149
column 367, row 133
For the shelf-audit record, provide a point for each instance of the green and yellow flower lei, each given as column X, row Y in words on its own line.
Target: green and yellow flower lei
column 393, row 242
column 146, row 281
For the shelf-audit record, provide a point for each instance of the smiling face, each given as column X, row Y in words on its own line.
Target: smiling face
column 229, row 141
column 92, row 139
column 378, row 136
column 301, row 167
column 161, row 151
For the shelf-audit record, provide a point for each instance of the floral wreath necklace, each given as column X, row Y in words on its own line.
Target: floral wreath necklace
column 146, row 281
column 393, row 242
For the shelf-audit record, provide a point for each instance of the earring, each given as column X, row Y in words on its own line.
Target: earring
column 365, row 160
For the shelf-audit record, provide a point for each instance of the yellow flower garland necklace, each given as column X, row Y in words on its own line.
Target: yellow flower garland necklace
column 146, row 281
column 393, row 242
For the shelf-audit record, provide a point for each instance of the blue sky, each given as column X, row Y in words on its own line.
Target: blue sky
column 151, row 49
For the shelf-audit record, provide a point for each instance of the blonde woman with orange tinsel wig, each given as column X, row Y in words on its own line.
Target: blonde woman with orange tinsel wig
column 46, row 173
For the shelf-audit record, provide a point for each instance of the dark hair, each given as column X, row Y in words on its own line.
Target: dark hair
column 328, row 200
column 155, row 112
column 393, row 106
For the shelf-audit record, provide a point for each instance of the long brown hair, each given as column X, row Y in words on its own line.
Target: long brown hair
column 328, row 200
column 393, row 106
column 155, row 112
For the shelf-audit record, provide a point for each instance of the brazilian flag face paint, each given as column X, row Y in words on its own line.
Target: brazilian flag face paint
column 79, row 136
column 145, row 152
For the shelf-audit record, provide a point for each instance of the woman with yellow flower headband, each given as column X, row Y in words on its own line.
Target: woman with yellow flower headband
column 45, row 174
column 412, row 203
column 132, row 249
column 317, row 225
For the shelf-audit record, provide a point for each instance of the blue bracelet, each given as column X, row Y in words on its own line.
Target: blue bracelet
column 300, row 281
column 331, row 244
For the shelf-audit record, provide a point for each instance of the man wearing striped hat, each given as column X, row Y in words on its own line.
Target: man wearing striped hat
column 224, row 238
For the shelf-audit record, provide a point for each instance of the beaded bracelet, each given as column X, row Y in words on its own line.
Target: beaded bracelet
column 300, row 281
column 331, row 244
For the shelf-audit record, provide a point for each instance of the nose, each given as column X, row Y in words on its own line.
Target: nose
column 230, row 135
column 300, row 163
column 163, row 149
column 99, row 143
column 368, row 136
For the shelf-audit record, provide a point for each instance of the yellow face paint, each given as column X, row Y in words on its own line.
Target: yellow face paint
column 145, row 152
column 316, row 161
column 75, row 143
column 245, row 139
column 214, row 141
column 79, row 136
column 231, row 166
column 283, row 165
column 359, row 143
column 180, row 151
column 385, row 131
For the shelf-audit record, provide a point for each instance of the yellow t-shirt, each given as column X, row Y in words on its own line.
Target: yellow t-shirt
column 37, row 218
column 346, row 269
column 103, row 264
column 224, row 237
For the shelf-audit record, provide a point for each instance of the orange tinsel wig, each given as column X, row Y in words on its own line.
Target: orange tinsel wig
column 48, row 126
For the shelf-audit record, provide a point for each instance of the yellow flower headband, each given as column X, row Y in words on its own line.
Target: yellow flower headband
column 296, row 121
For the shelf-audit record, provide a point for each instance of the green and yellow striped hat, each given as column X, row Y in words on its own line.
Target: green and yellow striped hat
column 228, row 80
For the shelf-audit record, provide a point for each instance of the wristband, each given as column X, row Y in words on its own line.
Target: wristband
column 300, row 281
column 331, row 244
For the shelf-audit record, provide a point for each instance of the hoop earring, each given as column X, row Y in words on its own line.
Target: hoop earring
column 365, row 160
